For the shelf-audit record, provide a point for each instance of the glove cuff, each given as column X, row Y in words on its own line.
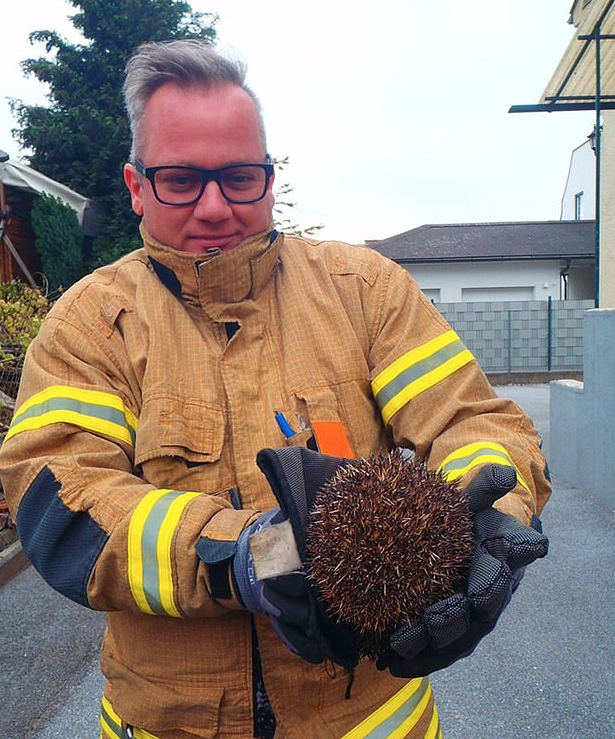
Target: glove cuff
column 240, row 569
column 246, row 584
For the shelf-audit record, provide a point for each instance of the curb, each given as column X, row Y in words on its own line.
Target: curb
column 12, row 560
column 531, row 378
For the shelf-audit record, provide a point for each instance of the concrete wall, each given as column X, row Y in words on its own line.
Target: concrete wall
column 513, row 336
column 583, row 414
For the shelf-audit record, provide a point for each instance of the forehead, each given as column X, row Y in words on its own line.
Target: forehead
column 208, row 127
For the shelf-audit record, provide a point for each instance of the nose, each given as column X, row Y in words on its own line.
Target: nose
column 212, row 205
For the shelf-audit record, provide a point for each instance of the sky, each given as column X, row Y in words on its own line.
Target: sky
column 392, row 114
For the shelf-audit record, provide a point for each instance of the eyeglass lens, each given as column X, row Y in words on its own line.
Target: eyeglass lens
column 241, row 184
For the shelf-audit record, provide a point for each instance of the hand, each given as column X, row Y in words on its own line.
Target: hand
column 452, row 628
column 295, row 474
column 290, row 609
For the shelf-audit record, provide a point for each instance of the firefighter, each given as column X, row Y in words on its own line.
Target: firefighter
column 195, row 392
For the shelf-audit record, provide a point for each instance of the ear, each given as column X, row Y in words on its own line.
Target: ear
column 270, row 195
column 134, row 184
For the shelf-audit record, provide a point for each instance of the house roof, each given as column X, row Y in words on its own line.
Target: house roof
column 463, row 242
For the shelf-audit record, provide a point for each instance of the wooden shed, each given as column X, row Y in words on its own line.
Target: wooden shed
column 19, row 185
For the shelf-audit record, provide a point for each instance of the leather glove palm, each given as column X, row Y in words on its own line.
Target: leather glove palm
column 295, row 474
column 452, row 628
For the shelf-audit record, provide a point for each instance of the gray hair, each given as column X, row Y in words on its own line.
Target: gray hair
column 186, row 63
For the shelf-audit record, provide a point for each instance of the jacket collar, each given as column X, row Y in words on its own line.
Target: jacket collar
column 219, row 280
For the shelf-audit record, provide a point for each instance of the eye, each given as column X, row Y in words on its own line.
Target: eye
column 178, row 179
column 239, row 178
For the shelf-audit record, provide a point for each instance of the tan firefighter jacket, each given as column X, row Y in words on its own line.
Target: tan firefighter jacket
column 145, row 398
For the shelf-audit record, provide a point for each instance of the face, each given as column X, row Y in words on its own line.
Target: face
column 206, row 129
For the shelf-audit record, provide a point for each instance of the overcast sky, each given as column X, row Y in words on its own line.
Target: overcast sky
column 393, row 114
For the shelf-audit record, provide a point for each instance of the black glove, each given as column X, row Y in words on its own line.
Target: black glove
column 295, row 474
column 452, row 628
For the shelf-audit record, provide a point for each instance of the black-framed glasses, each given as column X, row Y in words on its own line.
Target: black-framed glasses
column 238, row 183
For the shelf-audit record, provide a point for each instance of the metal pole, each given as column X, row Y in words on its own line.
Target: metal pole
column 509, row 346
column 549, row 333
column 597, row 141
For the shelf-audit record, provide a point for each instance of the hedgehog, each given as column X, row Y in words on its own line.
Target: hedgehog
column 387, row 537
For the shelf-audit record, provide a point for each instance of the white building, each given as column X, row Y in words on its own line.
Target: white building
column 528, row 260
column 579, row 199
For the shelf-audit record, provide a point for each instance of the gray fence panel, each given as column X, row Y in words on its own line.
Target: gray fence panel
column 521, row 335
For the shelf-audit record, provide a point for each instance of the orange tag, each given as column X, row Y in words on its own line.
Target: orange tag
column 331, row 439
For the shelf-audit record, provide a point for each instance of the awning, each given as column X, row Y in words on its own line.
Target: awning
column 578, row 78
column 13, row 174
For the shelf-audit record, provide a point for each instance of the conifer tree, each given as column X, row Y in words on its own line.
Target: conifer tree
column 82, row 137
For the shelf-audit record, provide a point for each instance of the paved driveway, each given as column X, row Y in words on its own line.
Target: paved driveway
column 546, row 671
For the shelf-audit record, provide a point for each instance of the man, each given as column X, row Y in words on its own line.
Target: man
column 156, row 383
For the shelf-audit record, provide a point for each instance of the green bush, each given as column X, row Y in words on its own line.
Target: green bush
column 58, row 240
column 22, row 310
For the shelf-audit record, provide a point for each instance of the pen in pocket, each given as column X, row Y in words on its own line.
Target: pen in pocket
column 283, row 424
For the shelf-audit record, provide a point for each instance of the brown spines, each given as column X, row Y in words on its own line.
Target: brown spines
column 387, row 537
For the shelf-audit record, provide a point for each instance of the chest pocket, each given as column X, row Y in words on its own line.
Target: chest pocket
column 184, row 428
column 344, row 419
column 326, row 425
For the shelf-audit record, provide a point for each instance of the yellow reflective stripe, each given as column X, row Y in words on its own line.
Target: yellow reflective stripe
column 393, row 720
column 93, row 410
column 135, row 555
column 163, row 550
column 150, row 538
column 411, row 357
column 399, row 715
column 433, row 730
column 477, row 454
column 111, row 724
column 418, row 370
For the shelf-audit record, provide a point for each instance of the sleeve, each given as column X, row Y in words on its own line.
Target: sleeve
column 94, row 529
column 434, row 398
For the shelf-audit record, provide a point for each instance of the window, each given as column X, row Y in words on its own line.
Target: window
column 578, row 206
